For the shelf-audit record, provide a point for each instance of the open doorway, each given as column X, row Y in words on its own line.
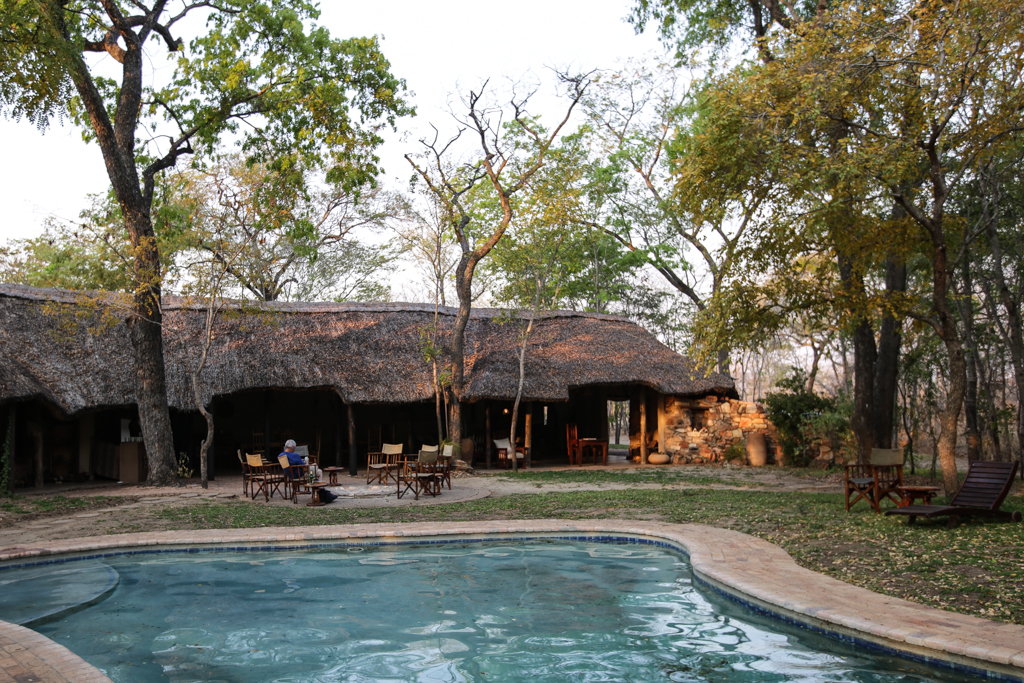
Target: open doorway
column 618, row 425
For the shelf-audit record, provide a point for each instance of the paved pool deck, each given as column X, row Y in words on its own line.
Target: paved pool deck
column 742, row 567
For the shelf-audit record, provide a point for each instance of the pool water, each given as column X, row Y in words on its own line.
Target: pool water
column 547, row 610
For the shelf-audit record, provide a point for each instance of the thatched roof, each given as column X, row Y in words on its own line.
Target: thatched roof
column 72, row 349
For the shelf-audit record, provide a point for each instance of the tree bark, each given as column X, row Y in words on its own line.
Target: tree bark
column 887, row 361
column 463, row 289
column 116, row 139
column 1015, row 332
column 865, row 354
column 971, row 364
column 946, row 329
column 146, row 333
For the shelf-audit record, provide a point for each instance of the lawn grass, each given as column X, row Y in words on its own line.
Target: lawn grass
column 594, row 476
column 977, row 568
column 25, row 505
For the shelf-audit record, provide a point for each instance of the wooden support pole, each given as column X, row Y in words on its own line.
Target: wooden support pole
column 36, row 430
column 643, row 426
column 7, row 428
column 86, row 427
column 339, row 432
column 266, row 426
column 353, row 457
column 528, row 435
column 487, row 435
column 662, row 426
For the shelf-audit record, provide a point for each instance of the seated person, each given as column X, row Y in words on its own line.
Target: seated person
column 294, row 459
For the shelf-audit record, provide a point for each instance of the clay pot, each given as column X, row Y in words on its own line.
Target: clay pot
column 757, row 449
column 657, row 458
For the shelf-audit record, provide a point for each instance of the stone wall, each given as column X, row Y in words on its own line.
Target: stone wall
column 699, row 430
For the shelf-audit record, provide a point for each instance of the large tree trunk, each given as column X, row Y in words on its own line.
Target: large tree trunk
column 971, row 365
column 146, row 331
column 204, row 450
column 116, row 139
column 887, row 366
column 946, row 329
column 950, row 415
column 865, row 355
column 463, row 288
column 1011, row 306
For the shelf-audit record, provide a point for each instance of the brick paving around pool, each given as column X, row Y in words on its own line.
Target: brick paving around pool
column 742, row 567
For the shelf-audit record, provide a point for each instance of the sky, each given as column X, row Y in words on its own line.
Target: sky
column 439, row 47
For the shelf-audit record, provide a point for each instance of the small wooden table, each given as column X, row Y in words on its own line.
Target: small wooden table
column 332, row 474
column 601, row 444
column 908, row 494
column 314, row 490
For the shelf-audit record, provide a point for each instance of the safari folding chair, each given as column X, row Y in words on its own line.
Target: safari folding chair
column 294, row 475
column 264, row 478
column 419, row 476
column 877, row 480
column 382, row 466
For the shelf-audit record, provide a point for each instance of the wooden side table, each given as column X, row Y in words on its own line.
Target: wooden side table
column 314, row 490
column 332, row 474
column 908, row 494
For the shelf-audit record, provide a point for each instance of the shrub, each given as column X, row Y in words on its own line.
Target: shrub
column 802, row 417
column 735, row 452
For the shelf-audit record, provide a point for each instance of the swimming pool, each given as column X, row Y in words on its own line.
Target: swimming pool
column 537, row 610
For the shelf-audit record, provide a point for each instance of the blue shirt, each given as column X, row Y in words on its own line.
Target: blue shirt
column 293, row 459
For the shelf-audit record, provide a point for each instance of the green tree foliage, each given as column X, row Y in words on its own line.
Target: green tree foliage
column 262, row 72
column 870, row 115
column 286, row 233
column 95, row 252
column 663, row 187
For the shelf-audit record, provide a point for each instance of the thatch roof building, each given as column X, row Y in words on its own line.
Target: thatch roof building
column 71, row 352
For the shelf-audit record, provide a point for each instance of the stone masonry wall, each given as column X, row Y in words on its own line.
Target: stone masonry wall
column 699, row 430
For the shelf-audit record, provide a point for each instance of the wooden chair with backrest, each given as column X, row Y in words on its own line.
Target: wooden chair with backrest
column 265, row 477
column 382, row 465
column 246, row 474
column 984, row 489
column 258, row 442
column 572, row 442
column 419, row 475
column 294, row 475
column 876, row 480
column 504, row 448
column 303, row 451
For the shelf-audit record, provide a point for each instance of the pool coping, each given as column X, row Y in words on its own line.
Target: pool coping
column 744, row 568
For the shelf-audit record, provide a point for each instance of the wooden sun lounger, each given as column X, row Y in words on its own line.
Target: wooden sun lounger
column 982, row 493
